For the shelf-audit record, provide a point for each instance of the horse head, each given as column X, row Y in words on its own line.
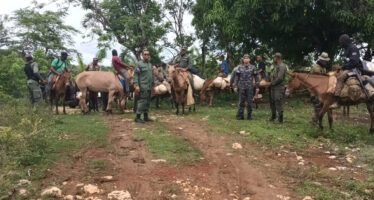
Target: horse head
column 293, row 84
column 65, row 79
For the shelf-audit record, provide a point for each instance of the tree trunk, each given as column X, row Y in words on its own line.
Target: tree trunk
column 203, row 58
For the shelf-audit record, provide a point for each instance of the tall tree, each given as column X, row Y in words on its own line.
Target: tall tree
column 135, row 24
column 4, row 37
column 294, row 27
column 176, row 12
column 48, row 31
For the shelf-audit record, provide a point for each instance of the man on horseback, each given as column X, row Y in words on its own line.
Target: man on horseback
column 352, row 62
column 277, row 88
column 244, row 85
column 233, row 73
column 33, row 78
column 319, row 68
column 144, row 81
column 224, row 71
column 121, row 68
column 57, row 68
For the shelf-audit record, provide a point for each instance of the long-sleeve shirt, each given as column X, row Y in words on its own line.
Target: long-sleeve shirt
column 244, row 77
column 352, row 58
column 279, row 75
column 118, row 64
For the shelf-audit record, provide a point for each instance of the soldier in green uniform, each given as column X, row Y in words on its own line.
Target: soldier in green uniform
column 277, row 88
column 33, row 78
column 183, row 60
column 319, row 68
column 144, row 80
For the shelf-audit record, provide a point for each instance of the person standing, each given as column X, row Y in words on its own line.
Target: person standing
column 94, row 66
column 121, row 68
column 277, row 88
column 319, row 68
column 261, row 67
column 93, row 104
column 144, row 81
column 57, row 68
column 33, row 77
column 233, row 73
column 224, row 71
column 244, row 85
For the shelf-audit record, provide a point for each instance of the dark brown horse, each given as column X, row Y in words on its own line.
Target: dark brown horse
column 59, row 90
column 318, row 84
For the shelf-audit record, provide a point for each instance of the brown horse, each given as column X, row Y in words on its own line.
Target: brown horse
column 180, row 85
column 318, row 84
column 59, row 90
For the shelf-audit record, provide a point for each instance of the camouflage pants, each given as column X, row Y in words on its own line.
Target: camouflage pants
column 144, row 102
column 276, row 100
column 245, row 95
column 36, row 95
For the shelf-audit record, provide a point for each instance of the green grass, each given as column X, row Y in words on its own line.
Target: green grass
column 35, row 140
column 165, row 144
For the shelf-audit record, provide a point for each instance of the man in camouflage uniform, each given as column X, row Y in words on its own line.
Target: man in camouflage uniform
column 277, row 88
column 244, row 85
column 319, row 68
column 94, row 66
column 33, row 78
column 143, row 83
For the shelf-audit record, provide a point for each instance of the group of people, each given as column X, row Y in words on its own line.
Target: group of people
column 243, row 84
column 241, row 79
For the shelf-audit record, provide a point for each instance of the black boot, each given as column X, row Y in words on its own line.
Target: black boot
column 280, row 118
column 249, row 116
column 273, row 117
column 146, row 118
column 138, row 120
column 240, row 117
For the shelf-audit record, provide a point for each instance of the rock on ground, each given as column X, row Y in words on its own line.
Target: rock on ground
column 119, row 195
column 52, row 191
column 91, row 189
column 237, row 146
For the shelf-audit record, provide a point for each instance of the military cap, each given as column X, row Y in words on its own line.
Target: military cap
column 278, row 55
column 246, row 55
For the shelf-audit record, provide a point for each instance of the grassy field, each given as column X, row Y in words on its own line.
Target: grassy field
column 33, row 140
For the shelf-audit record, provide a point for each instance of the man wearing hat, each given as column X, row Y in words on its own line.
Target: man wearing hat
column 94, row 66
column 243, row 84
column 319, row 68
column 57, row 68
column 277, row 88
column 183, row 60
column 33, row 78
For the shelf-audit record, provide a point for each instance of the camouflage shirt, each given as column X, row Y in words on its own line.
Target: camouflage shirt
column 92, row 67
column 244, row 77
column 183, row 61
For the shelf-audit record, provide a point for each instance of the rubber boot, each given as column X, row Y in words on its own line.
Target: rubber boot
column 249, row 116
column 138, row 119
column 280, row 118
column 146, row 118
column 273, row 117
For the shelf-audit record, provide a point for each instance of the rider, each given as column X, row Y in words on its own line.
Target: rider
column 57, row 68
column 352, row 61
column 121, row 68
column 224, row 71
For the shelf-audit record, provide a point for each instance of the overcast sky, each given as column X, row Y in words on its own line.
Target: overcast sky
column 86, row 46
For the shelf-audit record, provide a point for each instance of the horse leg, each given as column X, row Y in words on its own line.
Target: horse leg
column 63, row 104
column 110, row 101
column 194, row 107
column 211, row 98
column 177, row 105
column 57, row 98
column 182, row 108
column 157, row 102
column 370, row 108
column 329, row 115
column 348, row 111
column 82, row 101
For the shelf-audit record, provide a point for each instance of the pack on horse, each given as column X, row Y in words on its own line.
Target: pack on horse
column 99, row 81
column 214, row 86
column 59, row 89
column 322, row 85
column 162, row 87
column 180, row 85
